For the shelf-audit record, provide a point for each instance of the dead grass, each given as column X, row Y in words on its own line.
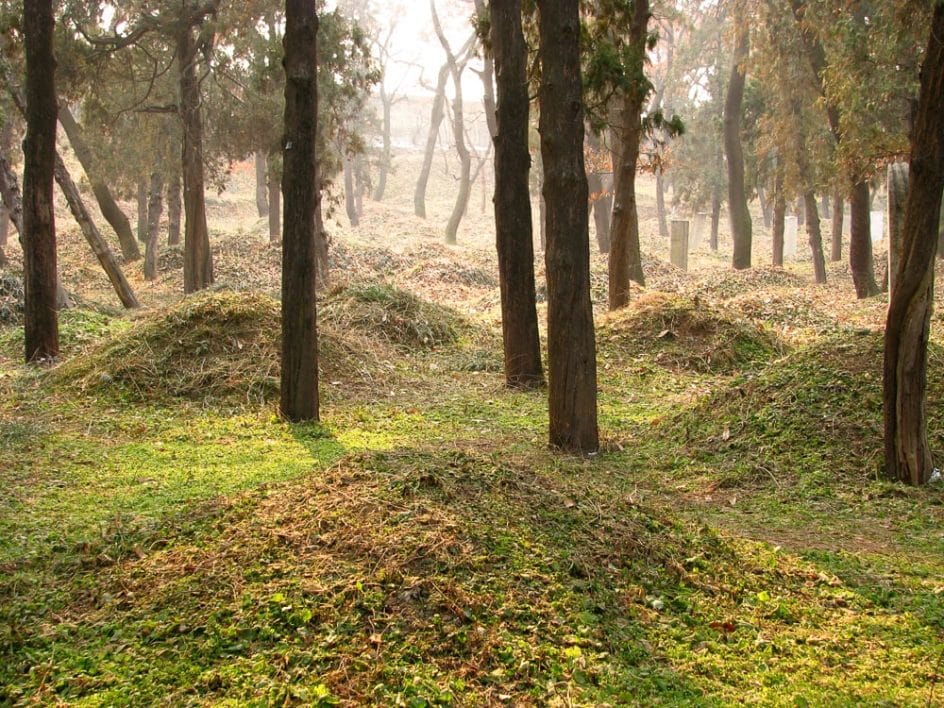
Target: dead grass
column 686, row 333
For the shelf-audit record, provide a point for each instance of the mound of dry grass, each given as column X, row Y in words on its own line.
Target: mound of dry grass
column 11, row 299
column 788, row 307
column 726, row 284
column 686, row 333
column 382, row 311
column 217, row 345
column 817, row 409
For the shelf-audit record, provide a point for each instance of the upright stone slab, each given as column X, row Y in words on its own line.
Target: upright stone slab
column 897, row 184
column 790, row 226
column 699, row 229
column 679, row 247
column 877, row 225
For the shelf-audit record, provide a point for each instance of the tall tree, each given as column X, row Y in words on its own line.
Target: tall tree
column 456, row 68
column 299, row 384
column 41, row 321
column 198, row 261
column 513, row 228
column 625, row 262
column 741, row 226
column 572, row 372
column 907, row 452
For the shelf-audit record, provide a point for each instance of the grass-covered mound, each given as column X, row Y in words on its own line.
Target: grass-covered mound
column 684, row 334
column 816, row 412
column 388, row 314
column 413, row 577
column 783, row 307
column 215, row 345
column 726, row 283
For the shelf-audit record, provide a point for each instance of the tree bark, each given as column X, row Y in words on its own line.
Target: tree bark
column 94, row 238
column 860, row 242
column 262, row 201
column 737, row 193
column 106, row 202
column 766, row 208
column 13, row 205
column 838, row 208
column 384, row 167
column 660, row 205
column 198, row 261
column 155, row 207
column 299, row 383
column 779, row 214
column 458, row 132
column 6, row 144
column 715, row 221
column 601, row 205
column 41, row 321
column 572, row 375
column 141, row 201
column 815, row 237
column 513, row 228
column 173, row 209
column 275, row 203
column 907, row 452
column 435, row 120
column 350, row 198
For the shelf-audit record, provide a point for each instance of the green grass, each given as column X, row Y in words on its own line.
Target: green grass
column 730, row 544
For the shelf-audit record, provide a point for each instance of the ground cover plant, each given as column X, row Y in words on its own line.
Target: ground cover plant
column 165, row 538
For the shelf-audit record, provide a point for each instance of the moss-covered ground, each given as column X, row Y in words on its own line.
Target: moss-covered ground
column 165, row 538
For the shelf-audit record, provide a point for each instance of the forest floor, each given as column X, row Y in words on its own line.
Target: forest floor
column 166, row 538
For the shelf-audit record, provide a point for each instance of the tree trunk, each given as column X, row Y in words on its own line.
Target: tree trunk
column 601, row 205
column 141, row 200
column 838, row 208
column 715, row 222
column 321, row 242
column 13, row 204
column 385, row 159
column 765, row 207
column 458, row 133
column 94, row 238
column 299, row 384
column 860, row 242
column 106, row 202
column 173, row 209
column 6, row 144
column 275, row 202
column 350, row 198
column 41, row 321
column 737, row 193
column 625, row 262
column 155, row 207
column 262, row 202
column 816, row 237
column 513, row 231
column 572, row 385
column 361, row 181
column 660, row 205
column 779, row 214
column 907, row 452
column 435, row 120
column 198, row 261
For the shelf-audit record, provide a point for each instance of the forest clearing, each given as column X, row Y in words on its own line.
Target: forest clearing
column 165, row 537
